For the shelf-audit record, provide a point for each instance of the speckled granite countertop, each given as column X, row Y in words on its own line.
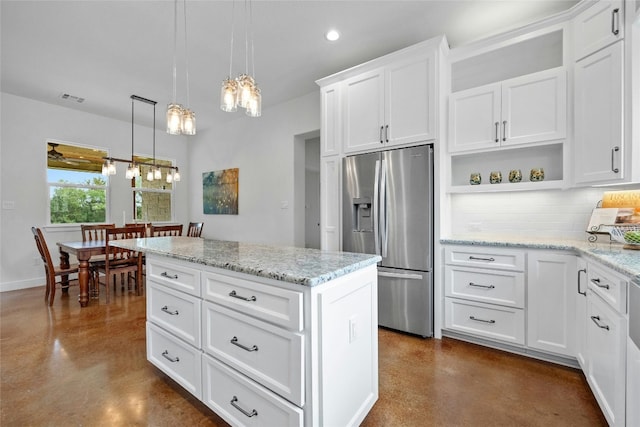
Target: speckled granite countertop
column 309, row 267
column 625, row 261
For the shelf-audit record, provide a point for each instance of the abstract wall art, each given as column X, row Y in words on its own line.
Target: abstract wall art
column 220, row 192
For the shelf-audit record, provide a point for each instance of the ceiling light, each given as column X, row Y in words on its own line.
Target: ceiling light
column 332, row 35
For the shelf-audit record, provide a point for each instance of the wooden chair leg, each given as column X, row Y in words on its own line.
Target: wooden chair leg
column 52, row 290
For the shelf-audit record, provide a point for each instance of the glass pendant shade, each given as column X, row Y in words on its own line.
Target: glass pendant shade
column 229, row 95
column 150, row 175
column 254, row 107
column 129, row 173
column 188, row 122
column 136, row 171
column 157, row 174
column 245, row 88
column 105, row 168
column 169, row 177
column 176, row 175
column 174, row 119
column 111, row 169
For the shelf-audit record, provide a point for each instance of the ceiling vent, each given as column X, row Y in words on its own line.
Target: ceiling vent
column 68, row 97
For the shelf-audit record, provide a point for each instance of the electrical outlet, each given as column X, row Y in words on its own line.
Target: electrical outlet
column 353, row 329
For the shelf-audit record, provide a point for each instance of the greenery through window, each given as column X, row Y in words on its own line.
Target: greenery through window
column 152, row 199
column 77, row 190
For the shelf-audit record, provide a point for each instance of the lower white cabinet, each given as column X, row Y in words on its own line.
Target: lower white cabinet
column 486, row 320
column 551, row 302
column 633, row 384
column 581, row 313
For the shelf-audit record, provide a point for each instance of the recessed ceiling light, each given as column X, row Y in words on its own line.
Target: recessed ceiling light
column 332, row 35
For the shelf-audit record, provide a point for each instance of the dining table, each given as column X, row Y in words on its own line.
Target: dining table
column 83, row 252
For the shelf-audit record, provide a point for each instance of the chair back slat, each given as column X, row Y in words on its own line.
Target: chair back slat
column 94, row 232
column 42, row 248
column 165, row 230
column 121, row 233
column 195, row 229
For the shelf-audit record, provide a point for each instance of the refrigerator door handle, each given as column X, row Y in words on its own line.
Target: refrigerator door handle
column 383, row 209
column 376, row 208
column 407, row 276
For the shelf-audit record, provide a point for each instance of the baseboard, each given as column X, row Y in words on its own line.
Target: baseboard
column 22, row 284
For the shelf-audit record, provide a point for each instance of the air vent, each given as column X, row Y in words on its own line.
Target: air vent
column 68, row 97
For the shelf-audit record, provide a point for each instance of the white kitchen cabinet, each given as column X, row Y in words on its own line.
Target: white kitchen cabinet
column 599, row 145
column 597, row 27
column 521, row 110
column 391, row 105
column 633, row 383
column 581, row 313
column 606, row 344
column 331, row 131
column 330, row 206
column 551, row 302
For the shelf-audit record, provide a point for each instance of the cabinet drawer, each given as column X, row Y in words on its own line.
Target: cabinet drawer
column 177, row 359
column 176, row 312
column 489, row 257
column 491, row 286
column 242, row 402
column 272, row 356
column 279, row 306
column 174, row 275
column 609, row 285
column 495, row 322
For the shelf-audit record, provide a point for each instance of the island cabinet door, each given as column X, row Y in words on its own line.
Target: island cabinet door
column 270, row 355
column 241, row 401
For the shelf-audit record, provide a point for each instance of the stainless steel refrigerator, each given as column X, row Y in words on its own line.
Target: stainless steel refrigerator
column 388, row 210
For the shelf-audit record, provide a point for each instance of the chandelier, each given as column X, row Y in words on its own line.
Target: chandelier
column 133, row 169
column 242, row 91
column 180, row 120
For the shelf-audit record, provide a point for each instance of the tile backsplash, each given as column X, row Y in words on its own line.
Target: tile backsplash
column 546, row 213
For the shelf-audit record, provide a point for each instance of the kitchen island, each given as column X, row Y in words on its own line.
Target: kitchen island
column 264, row 335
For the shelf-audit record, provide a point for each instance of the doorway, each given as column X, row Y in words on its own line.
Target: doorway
column 307, row 190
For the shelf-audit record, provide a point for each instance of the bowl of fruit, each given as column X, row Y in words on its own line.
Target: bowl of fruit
column 627, row 234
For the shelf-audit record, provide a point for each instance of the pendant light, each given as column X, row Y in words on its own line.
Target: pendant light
column 242, row 91
column 180, row 120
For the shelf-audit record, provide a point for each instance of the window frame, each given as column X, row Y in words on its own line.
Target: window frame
column 171, row 192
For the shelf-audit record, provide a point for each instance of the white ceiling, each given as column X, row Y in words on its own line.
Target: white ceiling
column 104, row 51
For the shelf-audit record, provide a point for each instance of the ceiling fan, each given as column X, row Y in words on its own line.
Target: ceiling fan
column 59, row 157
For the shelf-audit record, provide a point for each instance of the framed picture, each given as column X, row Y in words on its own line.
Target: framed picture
column 220, row 192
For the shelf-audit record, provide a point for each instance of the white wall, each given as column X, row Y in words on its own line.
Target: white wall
column 263, row 150
column 26, row 126
column 548, row 213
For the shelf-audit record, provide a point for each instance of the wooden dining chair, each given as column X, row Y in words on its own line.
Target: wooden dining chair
column 94, row 233
column 195, row 229
column 165, row 230
column 121, row 261
column 52, row 272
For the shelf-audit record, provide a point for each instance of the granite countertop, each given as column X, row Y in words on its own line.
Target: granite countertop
column 309, row 267
column 611, row 254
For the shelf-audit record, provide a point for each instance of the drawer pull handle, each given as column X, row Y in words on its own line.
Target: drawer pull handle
column 235, row 342
column 597, row 283
column 253, row 412
column 481, row 259
column 165, row 354
column 596, row 320
column 166, row 310
column 482, row 320
column 168, row 276
column 235, row 295
column 481, row 286
column 497, row 131
column 614, row 21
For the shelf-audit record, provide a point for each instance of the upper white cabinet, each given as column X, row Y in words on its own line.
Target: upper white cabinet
column 522, row 110
column 597, row 27
column 330, row 138
column 599, row 140
column 390, row 106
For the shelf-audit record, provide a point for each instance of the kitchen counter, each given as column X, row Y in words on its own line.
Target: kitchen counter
column 611, row 254
column 303, row 266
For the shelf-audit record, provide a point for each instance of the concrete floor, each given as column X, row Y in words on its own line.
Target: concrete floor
column 63, row 366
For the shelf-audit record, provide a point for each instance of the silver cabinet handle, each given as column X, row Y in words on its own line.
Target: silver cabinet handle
column 597, row 283
column 482, row 320
column 613, row 151
column 166, row 310
column 168, row 276
column 497, row 131
column 386, row 133
column 481, row 286
column 381, row 129
column 614, row 21
column 504, row 130
column 598, row 322
column 165, row 354
column 582, row 270
column 481, row 259
column 235, row 295
column 253, row 412
column 235, row 342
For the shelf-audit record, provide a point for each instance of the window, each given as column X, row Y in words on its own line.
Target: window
column 152, row 200
column 77, row 190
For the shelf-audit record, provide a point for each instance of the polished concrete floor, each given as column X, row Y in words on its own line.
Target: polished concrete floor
column 66, row 366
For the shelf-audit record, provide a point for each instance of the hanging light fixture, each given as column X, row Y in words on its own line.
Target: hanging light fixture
column 180, row 120
column 242, row 91
column 133, row 169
